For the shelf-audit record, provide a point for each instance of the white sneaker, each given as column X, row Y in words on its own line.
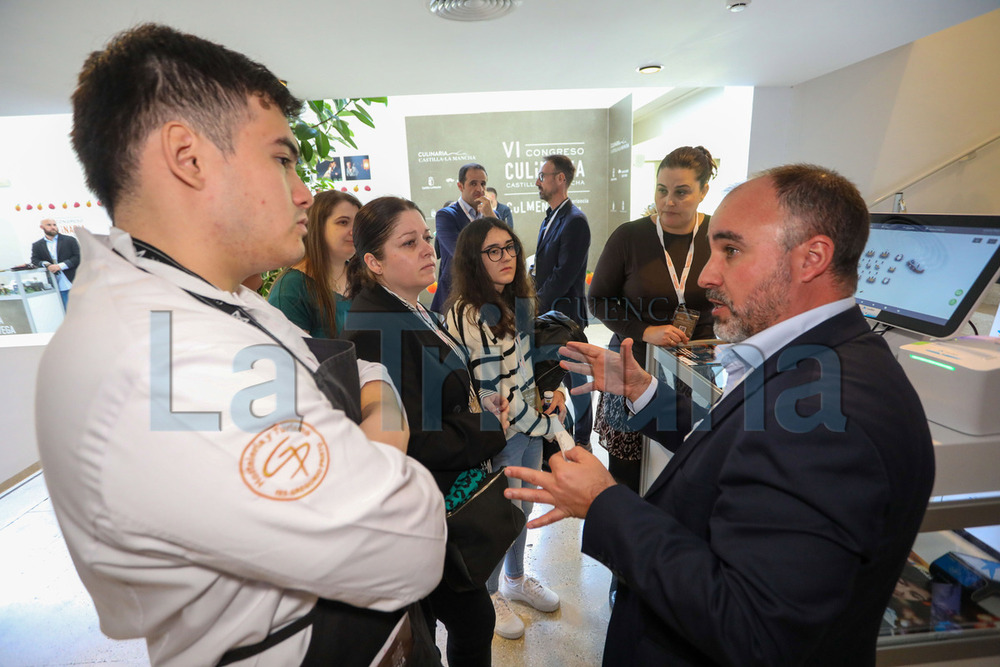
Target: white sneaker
column 509, row 625
column 527, row 589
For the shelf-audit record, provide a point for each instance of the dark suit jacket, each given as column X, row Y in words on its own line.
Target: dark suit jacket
column 448, row 222
column 561, row 264
column 68, row 249
column 433, row 382
column 503, row 212
column 776, row 536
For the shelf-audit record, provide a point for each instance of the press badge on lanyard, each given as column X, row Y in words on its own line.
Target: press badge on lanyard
column 685, row 318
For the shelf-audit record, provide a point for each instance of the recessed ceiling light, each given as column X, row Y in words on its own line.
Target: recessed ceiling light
column 649, row 69
column 737, row 5
column 472, row 10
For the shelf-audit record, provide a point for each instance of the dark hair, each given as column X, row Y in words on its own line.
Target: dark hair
column 465, row 170
column 149, row 75
column 373, row 226
column 316, row 263
column 563, row 165
column 491, row 189
column 697, row 159
column 821, row 201
column 471, row 284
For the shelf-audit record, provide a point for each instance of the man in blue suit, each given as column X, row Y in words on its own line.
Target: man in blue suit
column 452, row 219
column 561, row 266
column 503, row 211
column 777, row 531
column 60, row 254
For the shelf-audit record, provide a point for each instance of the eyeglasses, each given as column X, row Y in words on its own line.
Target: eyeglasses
column 542, row 175
column 496, row 254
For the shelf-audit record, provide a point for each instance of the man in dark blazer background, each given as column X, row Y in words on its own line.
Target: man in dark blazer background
column 59, row 253
column 561, row 267
column 452, row 219
column 503, row 211
column 777, row 531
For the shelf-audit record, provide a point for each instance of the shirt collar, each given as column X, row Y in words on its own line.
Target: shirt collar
column 469, row 210
column 551, row 212
column 120, row 242
column 757, row 348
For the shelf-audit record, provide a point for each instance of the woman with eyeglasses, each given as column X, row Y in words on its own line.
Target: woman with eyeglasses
column 393, row 264
column 312, row 292
column 492, row 312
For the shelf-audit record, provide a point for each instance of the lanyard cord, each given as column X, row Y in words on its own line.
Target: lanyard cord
column 148, row 251
column 679, row 284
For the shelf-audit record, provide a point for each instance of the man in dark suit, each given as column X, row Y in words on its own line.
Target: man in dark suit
column 561, row 267
column 777, row 531
column 58, row 253
column 452, row 219
column 503, row 211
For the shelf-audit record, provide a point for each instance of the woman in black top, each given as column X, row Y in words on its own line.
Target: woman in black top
column 648, row 268
column 393, row 264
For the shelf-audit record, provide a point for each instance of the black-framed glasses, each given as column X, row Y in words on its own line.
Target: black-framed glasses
column 542, row 175
column 496, row 254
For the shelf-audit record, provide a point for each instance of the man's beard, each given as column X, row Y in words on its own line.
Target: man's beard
column 758, row 313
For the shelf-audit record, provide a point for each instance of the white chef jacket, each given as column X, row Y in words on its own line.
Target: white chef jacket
column 204, row 539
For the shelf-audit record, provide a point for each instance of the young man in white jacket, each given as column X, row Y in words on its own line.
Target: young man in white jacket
column 211, row 495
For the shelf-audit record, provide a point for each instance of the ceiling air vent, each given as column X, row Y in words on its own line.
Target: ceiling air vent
column 472, row 10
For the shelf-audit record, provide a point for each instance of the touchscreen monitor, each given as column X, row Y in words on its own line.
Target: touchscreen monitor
column 927, row 272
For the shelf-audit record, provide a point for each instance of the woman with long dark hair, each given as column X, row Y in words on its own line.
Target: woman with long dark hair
column 393, row 264
column 491, row 310
column 312, row 292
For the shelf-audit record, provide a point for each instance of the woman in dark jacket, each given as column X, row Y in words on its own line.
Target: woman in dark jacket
column 393, row 264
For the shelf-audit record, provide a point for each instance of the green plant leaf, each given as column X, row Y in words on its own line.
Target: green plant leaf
column 316, row 137
column 363, row 116
column 304, row 132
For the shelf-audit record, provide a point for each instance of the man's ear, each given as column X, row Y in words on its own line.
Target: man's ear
column 373, row 264
column 182, row 148
column 814, row 257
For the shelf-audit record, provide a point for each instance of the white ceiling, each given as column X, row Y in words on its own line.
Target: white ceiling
column 353, row 48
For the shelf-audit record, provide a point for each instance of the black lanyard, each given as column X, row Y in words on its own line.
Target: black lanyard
column 143, row 249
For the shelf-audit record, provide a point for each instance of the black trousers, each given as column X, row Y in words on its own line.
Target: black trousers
column 469, row 619
column 625, row 472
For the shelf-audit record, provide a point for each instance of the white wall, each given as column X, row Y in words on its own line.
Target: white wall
column 716, row 118
column 19, row 368
column 38, row 166
column 891, row 118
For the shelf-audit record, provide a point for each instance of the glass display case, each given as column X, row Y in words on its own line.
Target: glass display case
column 29, row 302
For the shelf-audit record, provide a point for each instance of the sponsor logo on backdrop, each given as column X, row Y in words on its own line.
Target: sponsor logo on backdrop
column 445, row 156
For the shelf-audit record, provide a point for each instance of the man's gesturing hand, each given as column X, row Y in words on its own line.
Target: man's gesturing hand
column 571, row 486
column 614, row 373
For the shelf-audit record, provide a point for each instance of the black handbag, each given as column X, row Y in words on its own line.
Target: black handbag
column 480, row 531
column 552, row 330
